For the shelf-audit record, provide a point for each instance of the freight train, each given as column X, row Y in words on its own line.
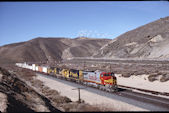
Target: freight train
column 102, row 80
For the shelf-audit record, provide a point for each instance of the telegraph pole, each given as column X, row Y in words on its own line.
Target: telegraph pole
column 79, row 99
column 110, row 68
column 84, row 65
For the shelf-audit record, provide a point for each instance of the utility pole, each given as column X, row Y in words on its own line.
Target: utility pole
column 84, row 67
column 79, row 99
column 110, row 68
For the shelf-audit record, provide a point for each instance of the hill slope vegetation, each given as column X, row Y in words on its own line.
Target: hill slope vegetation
column 148, row 41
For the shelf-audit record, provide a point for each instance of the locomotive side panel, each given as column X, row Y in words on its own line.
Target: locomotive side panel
column 81, row 77
column 74, row 74
column 52, row 70
column 65, row 73
column 91, row 77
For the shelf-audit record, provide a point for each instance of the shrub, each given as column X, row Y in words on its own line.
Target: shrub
column 152, row 77
column 126, row 75
column 61, row 99
column 164, row 78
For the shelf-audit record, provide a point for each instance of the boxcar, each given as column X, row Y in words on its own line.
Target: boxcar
column 36, row 68
column 33, row 67
column 40, row 69
column 44, row 69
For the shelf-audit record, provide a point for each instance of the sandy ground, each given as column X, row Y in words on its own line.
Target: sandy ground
column 89, row 97
column 142, row 82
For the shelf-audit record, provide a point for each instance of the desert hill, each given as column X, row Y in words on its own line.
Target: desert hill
column 148, row 41
column 54, row 49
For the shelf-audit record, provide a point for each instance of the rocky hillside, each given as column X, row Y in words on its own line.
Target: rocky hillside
column 17, row 96
column 21, row 92
column 51, row 49
column 148, row 41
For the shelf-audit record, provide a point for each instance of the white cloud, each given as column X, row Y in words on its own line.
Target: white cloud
column 93, row 34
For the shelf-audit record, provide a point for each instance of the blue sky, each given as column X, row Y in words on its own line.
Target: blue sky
column 22, row 21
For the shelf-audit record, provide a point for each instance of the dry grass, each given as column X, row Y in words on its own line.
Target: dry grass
column 153, row 77
column 126, row 75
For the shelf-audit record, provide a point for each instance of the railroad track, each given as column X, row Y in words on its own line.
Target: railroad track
column 144, row 90
column 126, row 92
column 152, row 103
column 120, row 87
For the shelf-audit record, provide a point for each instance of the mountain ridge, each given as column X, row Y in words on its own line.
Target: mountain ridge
column 142, row 42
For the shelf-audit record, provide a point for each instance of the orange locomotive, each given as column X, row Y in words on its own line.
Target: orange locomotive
column 102, row 80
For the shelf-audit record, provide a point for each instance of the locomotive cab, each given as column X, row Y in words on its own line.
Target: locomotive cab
column 108, row 79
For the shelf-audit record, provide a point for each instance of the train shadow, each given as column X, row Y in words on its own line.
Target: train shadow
column 121, row 89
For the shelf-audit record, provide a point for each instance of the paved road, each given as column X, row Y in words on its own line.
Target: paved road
column 144, row 101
